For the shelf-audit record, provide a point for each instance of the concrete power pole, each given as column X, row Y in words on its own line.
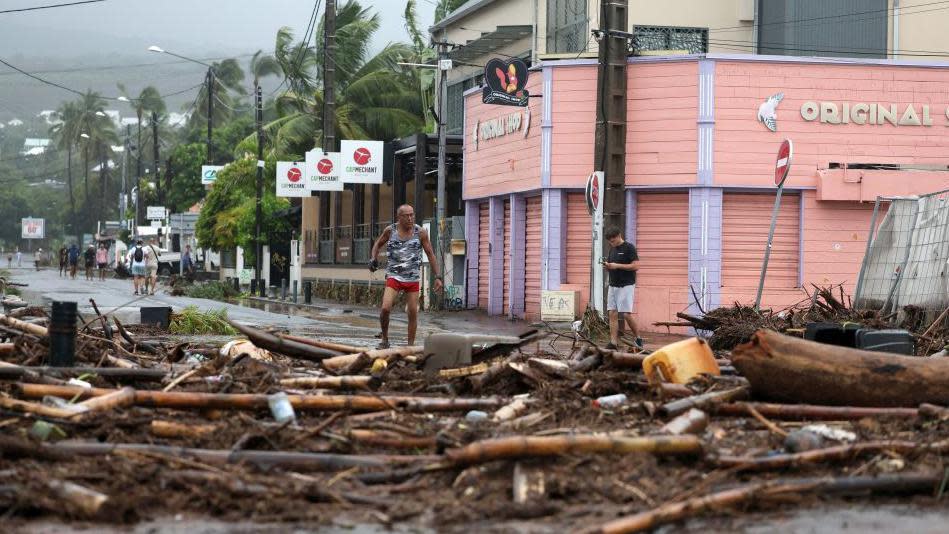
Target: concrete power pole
column 155, row 153
column 258, row 216
column 440, row 200
column 610, row 142
column 329, row 98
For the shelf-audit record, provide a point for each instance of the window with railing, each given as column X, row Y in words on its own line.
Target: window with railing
column 327, row 245
column 567, row 26
column 669, row 39
column 455, row 103
column 362, row 243
column 311, row 247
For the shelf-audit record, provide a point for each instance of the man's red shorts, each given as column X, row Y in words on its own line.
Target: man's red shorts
column 408, row 287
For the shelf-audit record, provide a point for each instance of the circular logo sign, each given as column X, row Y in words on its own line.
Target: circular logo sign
column 325, row 166
column 294, row 174
column 783, row 162
column 362, row 156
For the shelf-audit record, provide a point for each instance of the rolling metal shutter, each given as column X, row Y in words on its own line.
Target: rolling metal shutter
column 484, row 259
column 578, row 245
column 506, row 291
column 532, row 253
column 662, row 239
column 746, row 218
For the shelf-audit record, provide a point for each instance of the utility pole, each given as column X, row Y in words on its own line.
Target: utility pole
column 610, row 142
column 138, row 176
column 259, row 215
column 444, row 64
column 155, row 152
column 329, row 97
column 210, row 78
column 125, row 160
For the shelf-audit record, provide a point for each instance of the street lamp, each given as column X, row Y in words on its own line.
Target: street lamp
column 210, row 81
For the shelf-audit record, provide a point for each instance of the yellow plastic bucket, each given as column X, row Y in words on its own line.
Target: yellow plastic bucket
column 681, row 361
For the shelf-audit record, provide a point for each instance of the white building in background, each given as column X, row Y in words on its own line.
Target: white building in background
column 14, row 122
column 34, row 146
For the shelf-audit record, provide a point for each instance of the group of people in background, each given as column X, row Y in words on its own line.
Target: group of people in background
column 143, row 263
column 92, row 259
column 15, row 256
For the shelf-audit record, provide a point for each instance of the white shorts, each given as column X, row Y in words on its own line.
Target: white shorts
column 620, row 298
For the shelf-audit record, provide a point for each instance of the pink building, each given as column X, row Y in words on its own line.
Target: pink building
column 699, row 176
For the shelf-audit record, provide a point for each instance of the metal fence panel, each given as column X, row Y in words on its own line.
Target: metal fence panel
column 906, row 260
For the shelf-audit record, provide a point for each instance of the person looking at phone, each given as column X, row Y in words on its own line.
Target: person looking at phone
column 622, row 264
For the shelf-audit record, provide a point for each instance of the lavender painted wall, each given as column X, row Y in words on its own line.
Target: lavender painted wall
column 518, row 240
column 496, row 260
column 546, row 126
column 553, row 269
column 706, row 121
column 630, row 231
column 472, row 234
column 705, row 246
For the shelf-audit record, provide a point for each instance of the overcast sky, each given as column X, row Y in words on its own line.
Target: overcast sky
column 118, row 32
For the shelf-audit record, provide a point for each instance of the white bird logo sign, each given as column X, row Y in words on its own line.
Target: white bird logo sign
column 767, row 112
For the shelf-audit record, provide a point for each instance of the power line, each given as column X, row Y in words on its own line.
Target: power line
column 36, row 8
column 307, row 35
column 125, row 66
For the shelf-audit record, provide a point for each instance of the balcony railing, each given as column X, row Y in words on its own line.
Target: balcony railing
column 362, row 243
column 327, row 245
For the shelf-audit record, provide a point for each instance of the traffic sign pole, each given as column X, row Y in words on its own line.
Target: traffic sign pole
column 781, row 169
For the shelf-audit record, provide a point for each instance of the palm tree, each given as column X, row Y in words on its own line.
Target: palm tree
column 65, row 135
column 228, row 77
column 445, row 7
column 96, row 135
column 424, row 79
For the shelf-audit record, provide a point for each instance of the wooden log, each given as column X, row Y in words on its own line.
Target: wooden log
column 171, row 429
column 331, row 382
column 6, row 349
column 788, row 369
column 792, row 412
column 304, row 461
column 138, row 375
column 677, row 511
column 496, row 371
column 338, row 347
column 24, row 326
column 145, row 346
column 247, row 401
column 702, row 402
column 587, row 364
column 386, row 438
column 691, row 422
column 337, row 363
column 85, row 500
column 626, row 360
column 117, row 399
column 287, row 347
column 813, row 456
column 362, row 361
column 537, row 446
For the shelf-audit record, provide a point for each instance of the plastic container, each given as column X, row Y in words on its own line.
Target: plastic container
column 476, row 416
column 281, row 408
column 611, row 401
column 892, row 341
column 157, row 315
column 681, row 361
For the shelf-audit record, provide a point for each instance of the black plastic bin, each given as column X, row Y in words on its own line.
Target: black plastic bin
column 157, row 315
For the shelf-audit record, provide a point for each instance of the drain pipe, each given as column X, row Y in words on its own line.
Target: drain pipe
column 896, row 29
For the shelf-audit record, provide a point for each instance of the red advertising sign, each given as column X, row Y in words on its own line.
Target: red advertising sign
column 783, row 163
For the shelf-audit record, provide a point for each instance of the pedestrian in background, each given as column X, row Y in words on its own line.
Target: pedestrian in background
column 73, row 260
column 622, row 264
column 19, row 257
column 102, row 260
column 89, row 260
column 136, row 262
column 63, row 259
column 187, row 264
column 151, row 266
column 38, row 258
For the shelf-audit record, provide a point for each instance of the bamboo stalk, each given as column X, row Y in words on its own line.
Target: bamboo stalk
column 676, row 511
column 626, row 360
column 247, row 401
column 810, row 411
column 6, row 349
column 117, row 399
column 331, row 382
column 385, row 438
column 361, row 362
column 34, row 408
column 337, row 363
column 138, row 374
column 338, row 347
column 24, row 326
column 171, row 429
column 839, row 452
column 702, row 402
column 496, row 371
column 264, row 459
column 536, row 446
column 85, row 500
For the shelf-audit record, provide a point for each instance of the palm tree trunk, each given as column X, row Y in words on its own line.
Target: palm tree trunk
column 85, row 201
column 72, row 198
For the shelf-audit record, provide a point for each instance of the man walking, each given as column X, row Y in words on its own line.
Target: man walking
column 136, row 261
column 19, row 257
column 102, row 260
column 622, row 264
column 151, row 266
column 73, row 260
column 404, row 242
column 63, row 260
column 89, row 260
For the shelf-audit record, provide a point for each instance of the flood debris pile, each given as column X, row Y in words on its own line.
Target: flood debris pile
column 548, row 428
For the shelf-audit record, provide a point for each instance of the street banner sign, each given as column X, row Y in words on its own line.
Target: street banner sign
column 361, row 161
column 783, row 163
column 504, row 82
column 323, row 171
column 33, row 228
column 594, row 198
column 155, row 213
column 209, row 173
column 290, row 179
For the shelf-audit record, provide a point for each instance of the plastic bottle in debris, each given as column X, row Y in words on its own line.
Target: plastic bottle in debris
column 281, row 408
column 611, row 401
column 476, row 416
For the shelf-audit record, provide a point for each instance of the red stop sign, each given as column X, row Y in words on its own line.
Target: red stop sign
column 783, row 163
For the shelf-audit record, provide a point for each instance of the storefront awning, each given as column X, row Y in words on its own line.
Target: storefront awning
column 489, row 42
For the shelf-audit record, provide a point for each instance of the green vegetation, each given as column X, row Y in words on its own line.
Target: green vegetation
column 193, row 321
column 212, row 290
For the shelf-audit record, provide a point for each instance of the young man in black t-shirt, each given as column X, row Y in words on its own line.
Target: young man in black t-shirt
column 622, row 264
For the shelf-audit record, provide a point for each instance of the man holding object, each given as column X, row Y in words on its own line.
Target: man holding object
column 622, row 264
column 404, row 242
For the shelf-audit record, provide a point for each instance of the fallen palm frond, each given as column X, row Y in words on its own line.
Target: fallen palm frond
column 193, row 321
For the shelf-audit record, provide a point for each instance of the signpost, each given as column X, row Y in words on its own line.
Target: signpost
column 594, row 198
column 209, row 173
column 361, row 161
column 323, row 171
column 781, row 167
column 155, row 213
column 183, row 224
column 33, row 228
column 290, row 179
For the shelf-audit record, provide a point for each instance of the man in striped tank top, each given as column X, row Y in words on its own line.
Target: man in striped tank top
column 404, row 242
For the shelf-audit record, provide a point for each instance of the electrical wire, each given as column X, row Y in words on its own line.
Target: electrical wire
column 124, row 66
column 829, row 17
column 51, row 6
column 307, row 35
